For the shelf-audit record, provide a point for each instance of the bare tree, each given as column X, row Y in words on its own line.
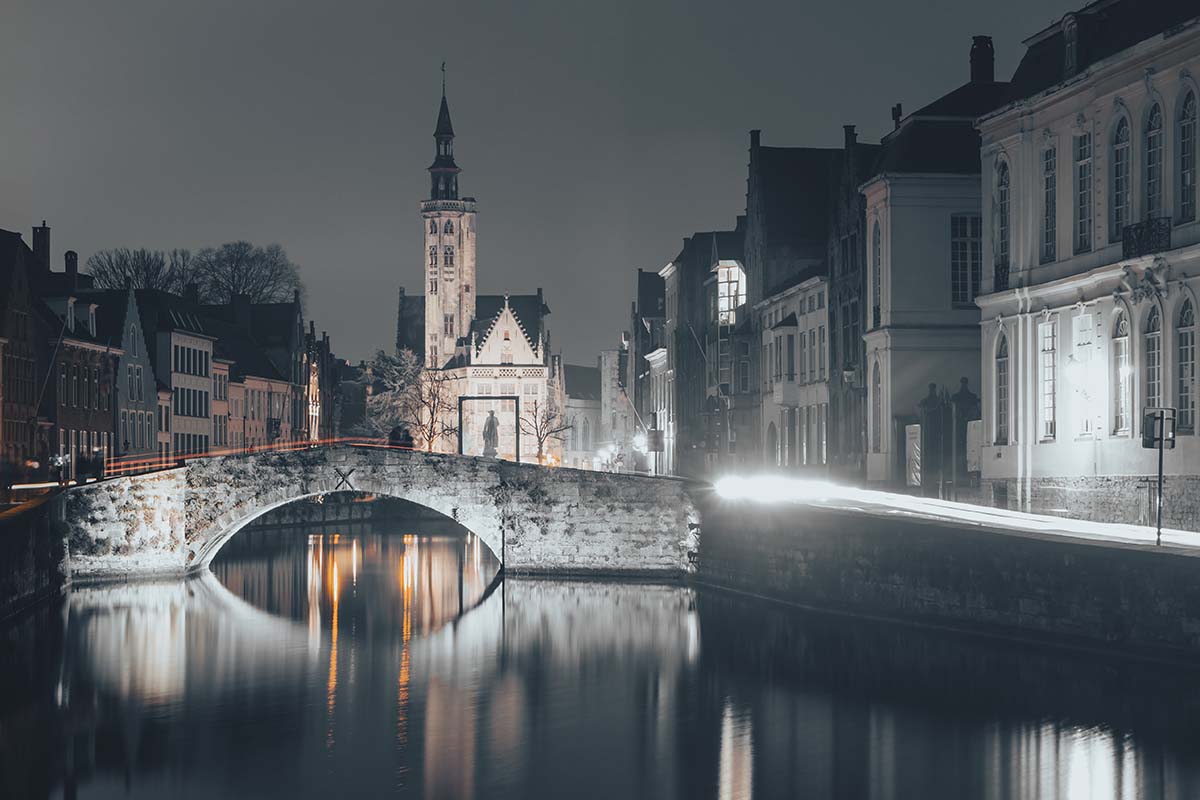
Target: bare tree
column 432, row 407
column 141, row 269
column 544, row 422
column 390, row 377
column 264, row 274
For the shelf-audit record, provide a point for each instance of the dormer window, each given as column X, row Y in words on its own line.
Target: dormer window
column 1070, row 46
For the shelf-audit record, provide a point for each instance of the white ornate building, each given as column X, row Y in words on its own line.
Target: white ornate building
column 493, row 350
column 1092, row 276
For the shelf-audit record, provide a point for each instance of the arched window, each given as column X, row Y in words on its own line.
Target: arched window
column 433, row 256
column 1154, row 358
column 1121, row 374
column 876, row 409
column 1002, row 226
column 449, row 227
column 876, row 274
column 1187, row 157
column 1154, row 163
column 1002, row 390
column 1185, row 386
column 448, row 256
column 433, row 226
column 1120, row 180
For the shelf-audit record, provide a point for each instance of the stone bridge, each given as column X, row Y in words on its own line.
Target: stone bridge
column 535, row 519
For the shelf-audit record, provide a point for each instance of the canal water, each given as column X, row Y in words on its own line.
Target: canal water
column 379, row 658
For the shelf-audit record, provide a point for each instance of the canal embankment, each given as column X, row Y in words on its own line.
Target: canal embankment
column 984, row 578
column 33, row 560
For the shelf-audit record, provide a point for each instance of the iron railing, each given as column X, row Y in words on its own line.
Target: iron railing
column 1143, row 238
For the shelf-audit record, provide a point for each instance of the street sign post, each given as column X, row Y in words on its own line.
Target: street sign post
column 1158, row 431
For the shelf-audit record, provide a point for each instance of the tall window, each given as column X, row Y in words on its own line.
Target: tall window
column 1154, row 359
column 448, row 256
column 433, row 226
column 876, row 268
column 1154, row 163
column 1121, row 374
column 1187, row 158
column 1048, row 366
column 966, row 257
column 876, row 409
column 433, row 256
column 1049, row 204
column 731, row 293
column 1186, row 358
column 447, row 324
column 1083, row 193
column 1002, row 226
column 449, row 227
column 1120, row 180
column 1002, row 390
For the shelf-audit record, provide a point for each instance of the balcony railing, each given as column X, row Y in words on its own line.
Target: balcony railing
column 1144, row 238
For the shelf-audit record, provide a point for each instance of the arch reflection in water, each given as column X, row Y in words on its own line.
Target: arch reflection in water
column 337, row 664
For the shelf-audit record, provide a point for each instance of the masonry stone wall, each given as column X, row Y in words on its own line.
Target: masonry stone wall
column 1061, row 591
column 536, row 519
column 125, row 526
column 1120, row 498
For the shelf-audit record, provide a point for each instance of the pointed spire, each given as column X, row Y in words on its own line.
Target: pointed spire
column 444, row 128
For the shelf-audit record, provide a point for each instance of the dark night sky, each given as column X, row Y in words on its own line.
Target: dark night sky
column 595, row 135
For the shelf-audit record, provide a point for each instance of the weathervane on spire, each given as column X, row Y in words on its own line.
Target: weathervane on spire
column 443, row 79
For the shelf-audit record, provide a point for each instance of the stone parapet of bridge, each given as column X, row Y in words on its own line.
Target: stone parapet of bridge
column 536, row 519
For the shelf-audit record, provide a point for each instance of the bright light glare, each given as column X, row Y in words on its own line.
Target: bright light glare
column 770, row 488
column 775, row 489
column 639, row 442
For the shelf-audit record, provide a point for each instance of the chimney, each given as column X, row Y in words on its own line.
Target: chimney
column 849, row 137
column 41, row 243
column 897, row 113
column 71, row 260
column 983, row 60
column 191, row 293
column 241, row 309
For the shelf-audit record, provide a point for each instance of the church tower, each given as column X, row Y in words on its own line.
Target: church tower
column 449, row 253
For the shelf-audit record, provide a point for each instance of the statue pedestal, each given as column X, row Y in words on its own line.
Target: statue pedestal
column 489, row 452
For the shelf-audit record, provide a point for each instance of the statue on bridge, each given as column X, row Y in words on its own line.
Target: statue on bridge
column 491, row 435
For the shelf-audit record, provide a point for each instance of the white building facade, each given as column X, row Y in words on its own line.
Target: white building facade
column 1092, row 275
column 795, row 354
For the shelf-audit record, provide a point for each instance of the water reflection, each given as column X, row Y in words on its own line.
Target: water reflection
column 373, row 660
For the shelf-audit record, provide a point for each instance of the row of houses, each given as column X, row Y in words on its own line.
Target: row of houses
column 143, row 377
column 980, row 305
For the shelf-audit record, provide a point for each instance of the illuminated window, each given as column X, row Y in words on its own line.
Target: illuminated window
column 1002, row 225
column 1049, row 204
column 1120, row 180
column 1185, row 388
column 1083, row 193
column 1048, row 367
column 1154, row 163
column 1154, row 359
column 1121, row 374
column 1002, row 390
column 1187, row 158
column 731, row 293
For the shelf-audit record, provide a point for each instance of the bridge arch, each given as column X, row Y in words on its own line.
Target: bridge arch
column 487, row 530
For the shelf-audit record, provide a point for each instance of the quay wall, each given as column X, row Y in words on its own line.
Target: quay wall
column 33, row 560
column 1062, row 591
